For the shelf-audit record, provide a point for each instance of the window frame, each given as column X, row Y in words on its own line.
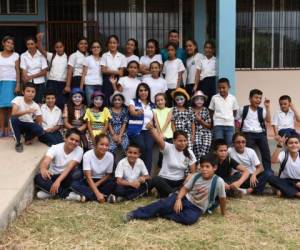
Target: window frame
column 9, row 13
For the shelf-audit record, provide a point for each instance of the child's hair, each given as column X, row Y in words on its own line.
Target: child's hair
column 98, row 138
column 193, row 41
column 236, row 135
column 54, row 52
column 173, row 31
column 160, row 94
column 133, row 145
column 186, row 151
column 224, row 80
column 171, row 45
column 49, row 92
column 294, row 136
column 146, row 86
column 254, row 92
column 285, row 98
column 154, row 62
column 209, row 158
column 131, row 62
column 72, row 131
column 122, row 97
column 156, row 44
column 110, row 37
column 6, row 38
column 218, row 143
column 209, row 42
column 71, row 108
column 136, row 44
column 30, row 38
column 82, row 38
column 28, row 85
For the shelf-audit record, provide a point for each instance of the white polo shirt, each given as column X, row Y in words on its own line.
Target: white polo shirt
column 94, row 74
column 158, row 85
column 223, row 109
column 129, row 86
column 125, row 171
column 113, row 62
column 251, row 122
column 59, row 67
column 50, row 117
column 132, row 58
column 76, row 62
column 192, row 63
column 170, row 70
column 148, row 113
column 284, row 120
column 146, row 61
column 292, row 168
column 22, row 106
column 8, row 67
column 33, row 65
column 207, row 67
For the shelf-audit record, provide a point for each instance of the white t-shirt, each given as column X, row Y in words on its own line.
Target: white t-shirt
column 146, row 61
column 76, row 62
column 59, row 67
column 33, row 65
column 248, row 158
column 292, row 168
column 113, row 62
column 207, row 67
column 22, row 106
column 125, row 171
column 170, row 70
column 284, row 120
column 192, row 63
column 148, row 114
column 8, row 67
column 223, row 109
column 175, row 163
column 52, row 117
column 158, row 85
column 99, row 168
column 129, row 86
column 251, row 122
column 132, row 58
column 93, row 74
column 60, row 159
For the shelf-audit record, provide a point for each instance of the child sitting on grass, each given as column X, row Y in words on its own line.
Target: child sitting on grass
column 197, row 196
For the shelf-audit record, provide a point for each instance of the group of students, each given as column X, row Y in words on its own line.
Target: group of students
column 115, row 101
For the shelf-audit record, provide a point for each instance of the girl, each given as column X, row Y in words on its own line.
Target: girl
column 183, row 117
column 91, row 79
column 132, row 50
column 140, row 110
column 34, row 68
column 75, row 65
column 112, row 64
column 118, row 123
column 203, row 134
column 152, row 54
column 57, row 69
column 74, row 113
column 172, row 70
column 9, row 81
column 192, row 62
column 156, row 83
column 98, row 184
column 206, row 72
column 97, row 117
column 177, row 159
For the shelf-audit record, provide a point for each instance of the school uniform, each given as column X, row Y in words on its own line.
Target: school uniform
column 114, row 63
column 129, row 86
column 125, row 171
column 8, row 79
column 25, row 124
column 35, row 64
column 57, row 76
column 99, row 168
column 76, row 62
column 132, row 58
column 194, row 204
column 147, row 60
column 285, row 123
column 223, row 118
column 180, row 54
column 158, row 85
column 93, row 79
column 60, row 161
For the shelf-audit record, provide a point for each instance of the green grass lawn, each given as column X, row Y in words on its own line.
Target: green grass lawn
column 252, row 223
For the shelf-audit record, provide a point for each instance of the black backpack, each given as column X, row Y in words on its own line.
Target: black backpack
column 259, row 114
column 283, row 163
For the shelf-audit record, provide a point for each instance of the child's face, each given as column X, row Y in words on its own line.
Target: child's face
column 96, row 49
column 29, row 93
column 255, row 100
column 179, row 100
column 143, row 93
column 132, row 154
column 83, row 46
column 130, row 47
column 207, row 170
column 174, row 38
column 199, row 101
column 77, row 99
column 209, row 50
column 118, row 101
column 285, row 105
column 222, row 152
column 171, row 52
column 132, row 69
column 98, row 101
column 31, row 45
column 102, row 146
column 160, row 102
column 293, row 145
column 50, row 101
column 190, row 48
column 155, row 70
column 112, row 45
column 150, row 50
column 180, row 142
column 72, row 141
column 240, row 144
column 8, row 45
column 59, row 48
column 223, row 88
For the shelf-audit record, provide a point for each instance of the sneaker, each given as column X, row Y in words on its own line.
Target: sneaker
column 243, row 191
column 74, row 197
column 42, row 195
column 19, row 147
column 120, row 199
column 111, row 198
column 128, row 217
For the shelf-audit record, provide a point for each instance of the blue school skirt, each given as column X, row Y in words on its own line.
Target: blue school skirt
column 7, row 93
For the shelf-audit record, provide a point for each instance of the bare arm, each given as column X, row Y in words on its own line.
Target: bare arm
column 167, row 122
column 245, row 174
column 274, row 157
column 297, row 115
column 39, row 119
column 15, row 111
column 157, row 123
column 178, row 203
column 197, row 79
column 84, row 71
column 179, row 80
column 161, row 143
column 144, row 70
column 69, row 78
column 107, row 71
column 39, row 38
column 17, row 67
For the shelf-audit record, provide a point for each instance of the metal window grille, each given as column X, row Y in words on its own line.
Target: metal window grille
column 11, row 7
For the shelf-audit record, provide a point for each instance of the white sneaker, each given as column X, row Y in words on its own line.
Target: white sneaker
column 243, row 190
column 42, row 195
column 74, row 197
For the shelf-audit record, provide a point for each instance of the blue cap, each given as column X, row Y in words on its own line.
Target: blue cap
column 76, row 91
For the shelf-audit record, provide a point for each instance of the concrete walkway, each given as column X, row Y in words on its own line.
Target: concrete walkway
column 16, row 174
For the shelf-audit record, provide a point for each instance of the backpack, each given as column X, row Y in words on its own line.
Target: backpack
column 259, row 114
column 212, row 202
column 283, row 163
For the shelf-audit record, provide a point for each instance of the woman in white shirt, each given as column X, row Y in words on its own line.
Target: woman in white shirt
column 34, row 68
column 9, row 80
column 57, row 69
column 91, row 79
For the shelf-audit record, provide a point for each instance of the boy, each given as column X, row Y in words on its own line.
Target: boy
column 233, row 173
column 197, row 196
column 56, row 167
column 52, row 119
column 131, row 174
column 284, row 119
column 223, row 108
column 26, row 117
column 253, row 118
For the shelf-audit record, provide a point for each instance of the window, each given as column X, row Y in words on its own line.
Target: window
column 268, row 34
column 9, row 7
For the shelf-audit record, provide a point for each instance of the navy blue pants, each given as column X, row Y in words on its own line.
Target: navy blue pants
column 107, row 89
column 208, row 87
column 39, row 92
column 286, row 186
column 164, row 186
column 58, row 88
column 52, row 138
column 260, row 186
column 287, row 132
column 165, row 208
column 75, row 82
column 131, row 193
